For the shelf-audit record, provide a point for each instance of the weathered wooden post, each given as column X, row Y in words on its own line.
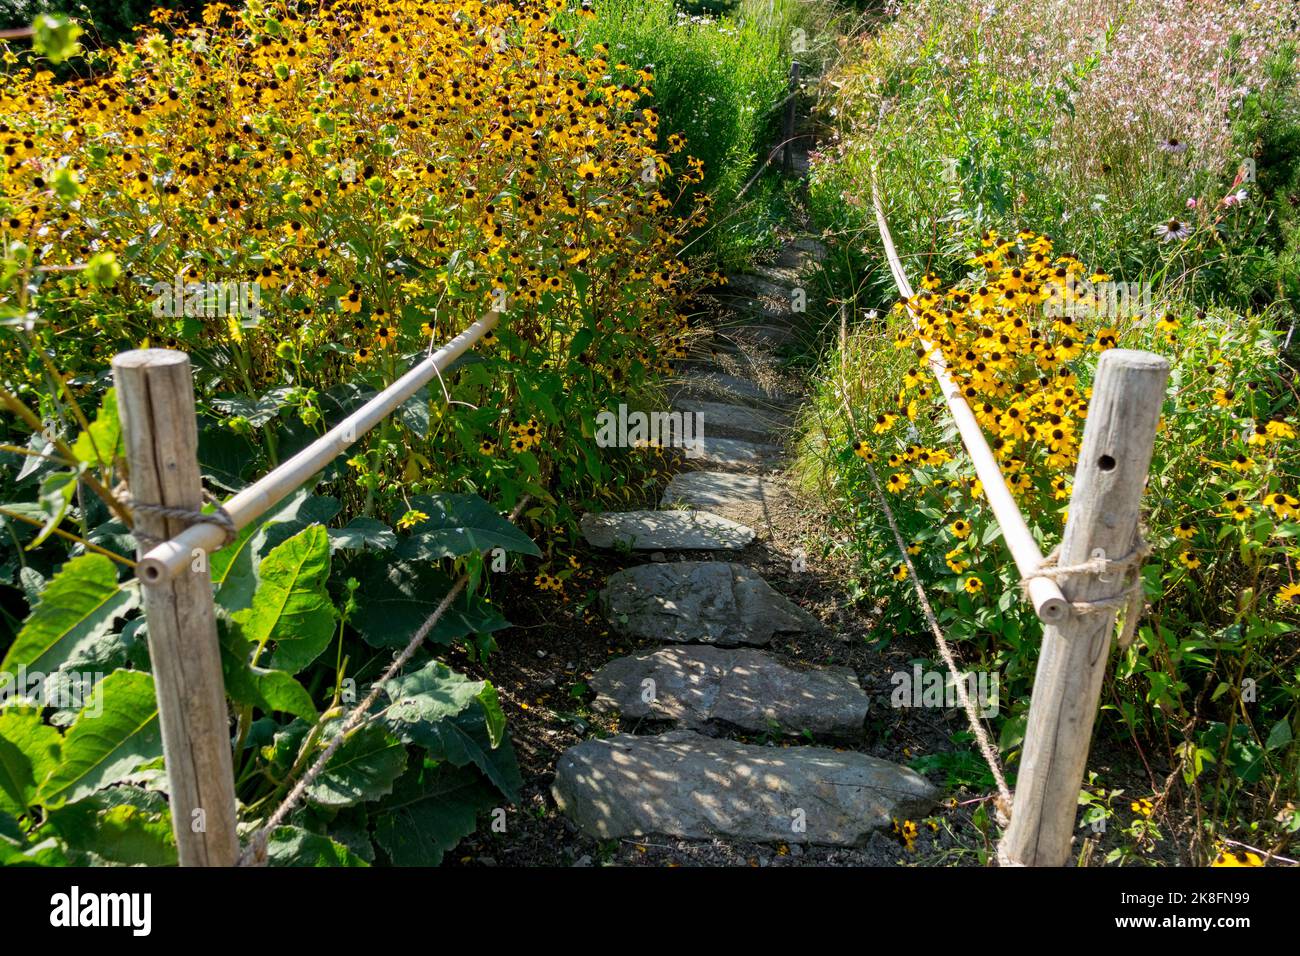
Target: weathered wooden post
column 155, row 395
column 1103, row 523
column 787, row 125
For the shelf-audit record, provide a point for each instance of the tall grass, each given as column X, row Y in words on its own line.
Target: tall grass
column 1095, row 120
column 720, row 77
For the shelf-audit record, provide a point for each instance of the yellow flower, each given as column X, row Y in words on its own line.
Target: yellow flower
column 897, row 482
column 961, row 528
column 973, row 585
column 1143, row 807
column 1184, row 530
column 1231, row 857
column 899, row 572
column 1289, row 595
column 411, row 519
column 883, row 423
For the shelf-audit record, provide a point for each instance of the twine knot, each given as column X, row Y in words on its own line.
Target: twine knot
column 1130, row 597
column 191, row 516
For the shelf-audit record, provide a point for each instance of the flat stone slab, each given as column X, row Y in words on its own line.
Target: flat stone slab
column 735, row 421
column 735, row 453
column 664, row 531
column 686, row 785
column 731, row 388
column 720, row 489
column 747, row 283
column 708, row 602
column 698, row 687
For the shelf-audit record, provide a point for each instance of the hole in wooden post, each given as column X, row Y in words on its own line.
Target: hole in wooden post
column 1106, row 463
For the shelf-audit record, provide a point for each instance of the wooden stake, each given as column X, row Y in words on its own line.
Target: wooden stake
column 155, row 396
column 1103, row 522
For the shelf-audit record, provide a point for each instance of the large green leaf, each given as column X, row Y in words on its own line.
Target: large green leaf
column 294, row 846
column 396, row 597
column 125, row 825
column 290, row 606
column 254, row 686
column 111, row 738
column 460, row 524
column 430, row 811
column 234, row 567
column 101, row 444
column 455, row 719
column 29, row 752
column 363, row 532
column 466, row 739
column 77, row 608
column 429, row 694
column 364, row 768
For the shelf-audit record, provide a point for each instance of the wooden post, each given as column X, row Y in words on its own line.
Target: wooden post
column 155, row 395
column 1103, row 521
column 787, row 125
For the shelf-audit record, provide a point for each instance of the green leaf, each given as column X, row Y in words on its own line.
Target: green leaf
column 362, row 532
column 101, row 444
column 460, row 524
column 110, row 738
column 1279, row 736
column 467, row 738
column 29, row 752
column 77, row 608
column 253, row 686
column 125, row 825
column 430, row 811
column 294, row 846
column 455, row 719
column 364, row 768
column 55, row 495
column 426, row 696
column 55, row 37
column 397, row 597
column 234, row 567
column 290, row 606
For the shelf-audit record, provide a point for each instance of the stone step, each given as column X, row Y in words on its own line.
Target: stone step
column 734, row 454
column 801, row 255
column 704, row 687
column 714, row 386
column 755, row 286
column 707, row 602
column 686, row 785
column 748, row 499
column 664, row 531
column 720, row 420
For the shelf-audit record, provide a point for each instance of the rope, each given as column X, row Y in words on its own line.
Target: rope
column 190, row 516
column 1002, row 804
column 255, row 853
column 1131, row 597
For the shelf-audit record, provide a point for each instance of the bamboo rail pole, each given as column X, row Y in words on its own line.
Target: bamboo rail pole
column 168, row 559
column 155, row 395
column 1118, row 437
column 1044, row 594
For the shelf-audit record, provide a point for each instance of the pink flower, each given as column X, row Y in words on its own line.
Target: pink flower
column 1192, row 203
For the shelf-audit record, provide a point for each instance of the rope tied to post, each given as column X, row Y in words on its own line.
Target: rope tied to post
column 1131, row 597
column 190, row 516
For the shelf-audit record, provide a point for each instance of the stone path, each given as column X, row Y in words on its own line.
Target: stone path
column 711, row 612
